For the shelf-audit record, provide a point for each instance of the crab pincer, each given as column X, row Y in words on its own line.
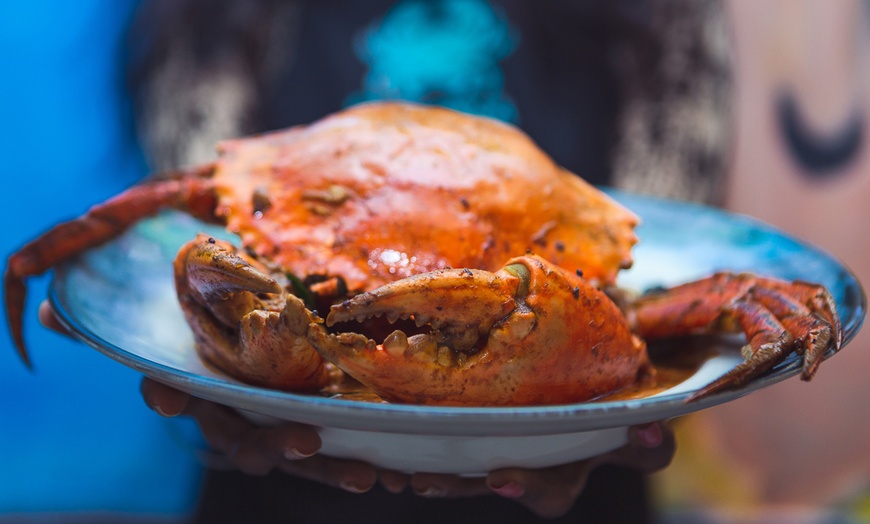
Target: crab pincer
column 508, row 337
column 243, row 320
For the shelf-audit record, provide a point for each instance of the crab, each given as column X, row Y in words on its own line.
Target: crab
column 433, row 256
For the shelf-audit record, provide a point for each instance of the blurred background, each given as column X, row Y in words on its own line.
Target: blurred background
column 76, row 441
column 758, row 107
column 797, row 451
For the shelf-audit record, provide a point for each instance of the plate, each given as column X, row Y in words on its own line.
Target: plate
column 119, row 299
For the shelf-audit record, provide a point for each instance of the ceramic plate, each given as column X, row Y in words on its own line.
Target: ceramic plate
column 120, row 299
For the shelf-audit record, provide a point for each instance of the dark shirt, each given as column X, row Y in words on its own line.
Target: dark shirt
column 554, row 62
column 612, row 495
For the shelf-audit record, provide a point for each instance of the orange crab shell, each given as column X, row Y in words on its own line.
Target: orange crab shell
column 384, row 191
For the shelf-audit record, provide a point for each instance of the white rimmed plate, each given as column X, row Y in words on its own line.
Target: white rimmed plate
column 120, row 299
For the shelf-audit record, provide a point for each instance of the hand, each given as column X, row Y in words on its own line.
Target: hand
column 551, row 492
column 548, row 492
column 251, row 449
column 257, row 450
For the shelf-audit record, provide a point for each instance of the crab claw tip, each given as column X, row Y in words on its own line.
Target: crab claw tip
column 216, row 271
column 15, row 292
column 22, row 353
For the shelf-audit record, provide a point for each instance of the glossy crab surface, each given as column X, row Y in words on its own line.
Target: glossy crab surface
column 454, row 263
column 385, row 191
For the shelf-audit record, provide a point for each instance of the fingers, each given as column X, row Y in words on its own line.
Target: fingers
column 549, row 492
column 258, row 450
column 393, row 481
column 49, row 319
column 349, row 475
column 650, row 448
column 436, row 485
column 552, row 492
column 166, row 401
column 252, row 449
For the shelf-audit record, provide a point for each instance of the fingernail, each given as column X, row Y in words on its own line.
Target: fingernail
column 351, row 487
column 649, row 436
column 430, row 491
column 393, row 488
column 162, row 413
column 511, row 490
column 295, row 454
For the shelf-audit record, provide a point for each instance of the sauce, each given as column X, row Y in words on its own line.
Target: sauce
column 675, row 361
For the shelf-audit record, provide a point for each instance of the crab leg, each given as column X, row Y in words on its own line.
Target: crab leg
column 243, row 320
column 190, row 191
column 777, row 317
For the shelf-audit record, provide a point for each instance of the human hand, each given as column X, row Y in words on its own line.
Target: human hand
column 257, row 450
column 252, row 449
column 548, row 492
column 551, row 492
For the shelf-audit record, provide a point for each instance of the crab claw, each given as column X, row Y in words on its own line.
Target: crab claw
column 529, row 333
column 244, row 322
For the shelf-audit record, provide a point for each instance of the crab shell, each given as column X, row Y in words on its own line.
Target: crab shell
column 385, row 191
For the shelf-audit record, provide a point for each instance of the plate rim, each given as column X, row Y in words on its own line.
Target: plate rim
column 461, row 421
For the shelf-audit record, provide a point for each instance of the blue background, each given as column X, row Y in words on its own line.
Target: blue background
column 75, row 436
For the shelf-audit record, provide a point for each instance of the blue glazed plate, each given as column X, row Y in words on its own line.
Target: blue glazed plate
column 120, row 299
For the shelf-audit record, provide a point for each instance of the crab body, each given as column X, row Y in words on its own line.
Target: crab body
column 384, row 192
column 406, row 228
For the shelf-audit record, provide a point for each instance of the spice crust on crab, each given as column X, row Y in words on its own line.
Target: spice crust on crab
column 407, row 225
column 384, row 191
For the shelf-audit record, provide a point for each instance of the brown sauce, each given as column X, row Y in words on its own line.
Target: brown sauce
column 675, row 361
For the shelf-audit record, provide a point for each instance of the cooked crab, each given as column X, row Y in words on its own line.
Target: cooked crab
column 454, row 262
